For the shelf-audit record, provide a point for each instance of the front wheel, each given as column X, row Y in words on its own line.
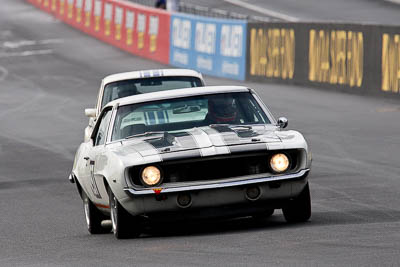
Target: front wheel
column 93, row 216
column 124, row 225
column 299, row 209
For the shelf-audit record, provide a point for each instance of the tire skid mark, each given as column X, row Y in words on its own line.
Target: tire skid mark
column 350, row 162
column 355, row 202
column 3, row 73
column 5, row 34
column 38, row 95
column 29, row 183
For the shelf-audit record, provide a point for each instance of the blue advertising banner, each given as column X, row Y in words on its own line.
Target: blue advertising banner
column 212, row 46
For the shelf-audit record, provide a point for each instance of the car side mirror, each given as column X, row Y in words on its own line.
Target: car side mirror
column 282, row 122
column 90, row 112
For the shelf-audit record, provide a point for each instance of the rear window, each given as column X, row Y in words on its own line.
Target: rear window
column 125, row 88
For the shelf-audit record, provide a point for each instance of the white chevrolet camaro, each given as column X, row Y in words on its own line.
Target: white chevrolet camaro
column 189, row 153
column 140, row 82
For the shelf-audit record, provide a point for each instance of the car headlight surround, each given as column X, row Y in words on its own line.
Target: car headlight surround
column 151, row 176
column 279, row 163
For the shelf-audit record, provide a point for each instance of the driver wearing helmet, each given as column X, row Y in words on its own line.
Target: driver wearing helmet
column 127, row 89
column 221, row 109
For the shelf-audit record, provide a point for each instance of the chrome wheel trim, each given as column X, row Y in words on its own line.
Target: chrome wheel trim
column 114, row 219
column 86, row 209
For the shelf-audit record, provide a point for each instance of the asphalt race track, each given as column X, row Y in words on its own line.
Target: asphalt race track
column 50, row 72
column 355, row 11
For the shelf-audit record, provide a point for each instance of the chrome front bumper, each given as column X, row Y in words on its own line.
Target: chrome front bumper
column 247, row 180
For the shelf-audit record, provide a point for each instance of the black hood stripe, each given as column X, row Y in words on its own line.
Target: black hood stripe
column 182, row 145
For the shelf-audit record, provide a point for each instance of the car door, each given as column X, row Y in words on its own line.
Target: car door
column 94, row 154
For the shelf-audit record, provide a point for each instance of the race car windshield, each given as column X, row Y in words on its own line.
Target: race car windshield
column 125, row 88
column 186, row 113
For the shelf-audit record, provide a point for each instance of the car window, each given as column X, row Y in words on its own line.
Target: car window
column 125, row 88
column 188, row 112
column 100, row 137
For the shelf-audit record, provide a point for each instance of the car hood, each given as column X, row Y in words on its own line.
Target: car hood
column 206, row 141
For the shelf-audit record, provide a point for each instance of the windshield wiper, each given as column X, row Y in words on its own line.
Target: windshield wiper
column 144, row 134
column 218, row 125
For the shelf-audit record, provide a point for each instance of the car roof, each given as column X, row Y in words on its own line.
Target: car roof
column 176, row 93
column 151, row 73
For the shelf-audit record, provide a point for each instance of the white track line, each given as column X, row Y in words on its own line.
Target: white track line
column 21, row 43
column 26, row 53
column 263, row 10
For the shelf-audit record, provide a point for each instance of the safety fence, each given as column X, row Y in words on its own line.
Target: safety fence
column 351, row 57
column 134, row 28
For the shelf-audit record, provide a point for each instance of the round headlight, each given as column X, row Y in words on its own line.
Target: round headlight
column 151, row 176
column 279, row 163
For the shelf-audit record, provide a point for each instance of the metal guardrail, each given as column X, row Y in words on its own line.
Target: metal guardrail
column 209, row 12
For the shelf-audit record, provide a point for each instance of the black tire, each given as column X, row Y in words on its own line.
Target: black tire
column 93, row 216
column 264, row 215
column 299, row 209
column 124, row 225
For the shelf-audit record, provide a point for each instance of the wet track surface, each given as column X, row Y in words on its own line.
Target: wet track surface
column 49, row 73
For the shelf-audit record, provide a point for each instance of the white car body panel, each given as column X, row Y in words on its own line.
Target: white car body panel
column 96, row 167
column 135, row 75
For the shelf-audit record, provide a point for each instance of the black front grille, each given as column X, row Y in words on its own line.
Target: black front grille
column 213, row 168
